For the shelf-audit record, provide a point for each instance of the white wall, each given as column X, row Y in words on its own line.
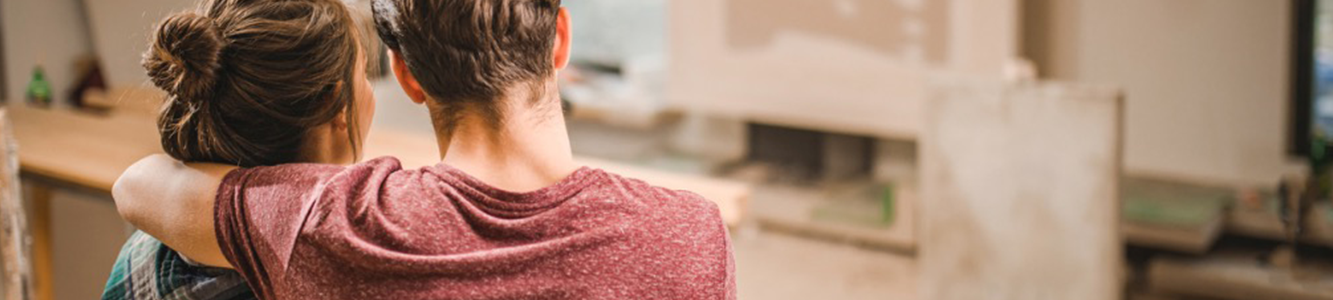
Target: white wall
column 1206, row 80
column 47, row 32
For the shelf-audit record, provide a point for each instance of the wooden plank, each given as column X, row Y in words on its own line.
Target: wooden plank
column 1020, row 193
column 1236, row 275
column 1265, row 222
column 1188, row 217
column 1185, row 240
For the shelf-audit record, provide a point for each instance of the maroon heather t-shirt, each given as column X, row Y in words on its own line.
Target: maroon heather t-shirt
column 376, row 231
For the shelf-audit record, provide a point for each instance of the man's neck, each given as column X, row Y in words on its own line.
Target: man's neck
column 529, row 151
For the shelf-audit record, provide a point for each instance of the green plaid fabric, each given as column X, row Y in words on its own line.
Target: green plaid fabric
column 148, row 270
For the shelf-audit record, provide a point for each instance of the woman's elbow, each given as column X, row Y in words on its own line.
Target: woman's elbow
column 122, row 193
column 128, row 193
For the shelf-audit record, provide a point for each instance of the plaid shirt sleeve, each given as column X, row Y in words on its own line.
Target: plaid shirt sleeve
column 146, row 269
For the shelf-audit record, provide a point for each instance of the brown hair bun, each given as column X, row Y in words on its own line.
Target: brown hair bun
column 249, row 79
column 184, row 56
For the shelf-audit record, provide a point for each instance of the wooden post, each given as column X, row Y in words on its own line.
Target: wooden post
column 40, row 218
column 1020, row 193
column 15, row 252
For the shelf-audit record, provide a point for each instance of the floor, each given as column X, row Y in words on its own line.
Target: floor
column 774, row 266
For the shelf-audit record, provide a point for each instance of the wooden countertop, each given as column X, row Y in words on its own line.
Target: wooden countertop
column 90, row 151
column 82, row 149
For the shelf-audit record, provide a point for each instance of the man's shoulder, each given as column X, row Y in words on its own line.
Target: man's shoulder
column 672, row 205
column 318, row 180
column 682, row 232
column 648, row 191
column 387, row 163
column 317, row 171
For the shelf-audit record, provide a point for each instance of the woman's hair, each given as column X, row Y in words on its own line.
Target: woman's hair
column 247, row 80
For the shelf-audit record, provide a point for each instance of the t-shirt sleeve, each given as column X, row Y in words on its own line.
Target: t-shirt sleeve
column 259, row 212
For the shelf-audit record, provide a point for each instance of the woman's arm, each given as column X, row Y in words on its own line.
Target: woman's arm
column 173, row 202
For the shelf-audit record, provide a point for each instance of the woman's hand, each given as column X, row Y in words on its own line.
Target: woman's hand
column 173, row 202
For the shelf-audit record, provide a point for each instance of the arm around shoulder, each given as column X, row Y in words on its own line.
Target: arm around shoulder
column 173, row 201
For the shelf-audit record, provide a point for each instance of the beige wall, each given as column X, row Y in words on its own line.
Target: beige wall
column 120, row 30
column 56, row 32
column 47, row 32
column 86, row 236
column 1206, row 80
column 857, row 66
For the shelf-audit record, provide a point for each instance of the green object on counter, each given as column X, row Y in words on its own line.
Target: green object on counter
column 39, row 90
column 866, row 205
column 1162, row 203
column 1317, row 146
column 1328, row 214
column 887, row 202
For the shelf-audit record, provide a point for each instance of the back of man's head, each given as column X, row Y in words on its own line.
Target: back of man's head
column 469, row 53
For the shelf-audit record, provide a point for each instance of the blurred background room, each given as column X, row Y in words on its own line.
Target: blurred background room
column 858, row 149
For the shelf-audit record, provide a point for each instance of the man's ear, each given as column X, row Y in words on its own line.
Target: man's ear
column 563, row 42
column 405, row 78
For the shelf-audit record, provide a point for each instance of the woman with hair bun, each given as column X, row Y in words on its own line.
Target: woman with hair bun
column 250, row 83
column 506, row 213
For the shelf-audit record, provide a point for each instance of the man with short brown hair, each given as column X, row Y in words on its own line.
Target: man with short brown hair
column 507, row 214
